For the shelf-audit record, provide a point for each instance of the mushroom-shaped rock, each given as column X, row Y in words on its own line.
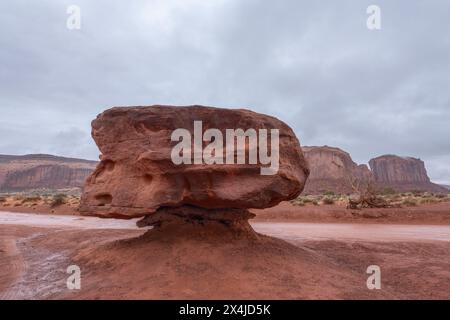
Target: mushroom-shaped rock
column 165, row 157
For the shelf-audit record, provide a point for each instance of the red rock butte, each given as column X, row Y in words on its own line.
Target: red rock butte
column 136, row 176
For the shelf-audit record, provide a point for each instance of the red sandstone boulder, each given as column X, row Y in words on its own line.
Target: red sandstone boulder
column 137, row 174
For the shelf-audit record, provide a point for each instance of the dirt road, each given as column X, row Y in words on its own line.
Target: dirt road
column 287, row 231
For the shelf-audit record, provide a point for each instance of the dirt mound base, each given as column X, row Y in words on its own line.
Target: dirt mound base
column 198, row 261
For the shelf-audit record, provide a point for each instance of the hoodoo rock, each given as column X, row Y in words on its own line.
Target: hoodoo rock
column 191, row 162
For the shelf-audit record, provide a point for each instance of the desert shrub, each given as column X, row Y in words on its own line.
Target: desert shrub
column 58, row 200
column 430, row 200
column 2, row 199
column 441, row 196
column 328, row 193
column 314, row 202
column 307, row 200
column 298, row 201
column 328, row 200
column 31, row 199
column 409, row 202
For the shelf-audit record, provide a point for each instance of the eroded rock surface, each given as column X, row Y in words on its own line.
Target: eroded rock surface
column 332, row 169
column 136, row 175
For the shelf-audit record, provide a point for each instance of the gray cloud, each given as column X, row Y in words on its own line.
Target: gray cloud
column 314, row 65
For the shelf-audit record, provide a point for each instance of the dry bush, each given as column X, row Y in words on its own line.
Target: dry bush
column 328, row 200
column 31, row 199
column 58, row 200
column 367, row 195
column 410, row 202
column 18, row 198
column 430, row 200
column 3, row 199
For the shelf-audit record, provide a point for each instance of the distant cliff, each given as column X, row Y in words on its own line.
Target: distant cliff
column 20, row 173
column 402, row 174
column 332, row 169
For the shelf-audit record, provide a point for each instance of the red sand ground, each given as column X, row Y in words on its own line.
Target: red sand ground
column 438, row 213
column 196, row 264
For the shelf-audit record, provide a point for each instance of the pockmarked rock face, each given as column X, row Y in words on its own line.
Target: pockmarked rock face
column 163, row 156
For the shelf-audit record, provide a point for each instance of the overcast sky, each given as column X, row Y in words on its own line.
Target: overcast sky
column 314, row 64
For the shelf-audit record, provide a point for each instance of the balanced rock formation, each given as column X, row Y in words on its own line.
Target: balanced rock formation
column 40, row 171
column 332, row 170
column 402, row 174
column 137, row 175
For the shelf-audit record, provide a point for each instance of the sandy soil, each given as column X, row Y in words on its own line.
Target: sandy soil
column 40, row 208
column 423, row 214
column 316, row 261
column 434, row 214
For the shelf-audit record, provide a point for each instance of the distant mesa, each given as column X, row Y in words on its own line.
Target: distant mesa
column 42, row 171
column 402, row 174
column 330, row 169
column 333, row 169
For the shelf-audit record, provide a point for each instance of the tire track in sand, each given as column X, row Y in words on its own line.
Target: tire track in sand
column 12, row 266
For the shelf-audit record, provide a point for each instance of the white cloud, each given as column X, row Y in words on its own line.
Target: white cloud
column 313, row 64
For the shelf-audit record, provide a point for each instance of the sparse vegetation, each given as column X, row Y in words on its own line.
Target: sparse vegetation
column 328, row 200
column 31, row 199
column 367, row 196
column 304, row 200
column 409, row 202
column 58, row 200
column 429, row 200
column 18, row 197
